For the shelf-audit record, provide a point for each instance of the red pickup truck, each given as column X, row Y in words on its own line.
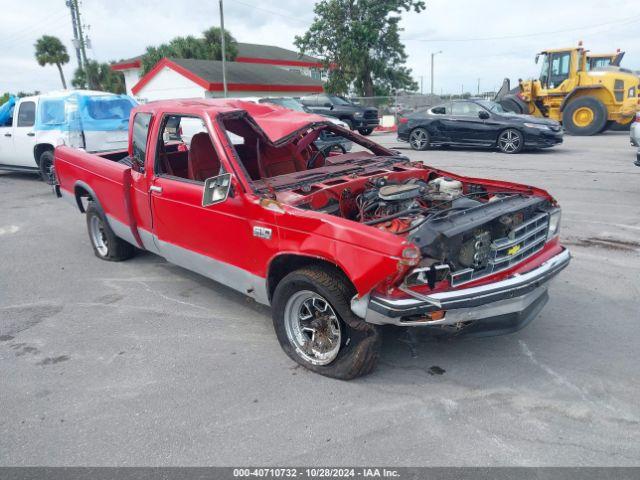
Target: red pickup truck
column 337, row 243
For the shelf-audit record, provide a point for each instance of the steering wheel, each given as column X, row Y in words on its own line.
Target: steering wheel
column 325, row 153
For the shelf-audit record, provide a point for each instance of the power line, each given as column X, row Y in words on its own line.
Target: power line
column 27, row 32
column 526, row 35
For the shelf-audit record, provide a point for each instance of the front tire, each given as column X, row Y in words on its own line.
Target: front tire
column 510, row 141
column 46, row 167
column 366, row 131
column 585, row 116
column 106, row 245
column 316, row 328
column 419, row 139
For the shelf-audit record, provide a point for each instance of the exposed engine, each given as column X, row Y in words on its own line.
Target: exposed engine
column 453, row 228
column 396, row 207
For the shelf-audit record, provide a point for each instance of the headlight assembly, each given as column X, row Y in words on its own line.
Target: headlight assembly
column 554, row 224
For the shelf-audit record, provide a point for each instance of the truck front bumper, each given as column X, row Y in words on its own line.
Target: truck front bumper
column 492, row 309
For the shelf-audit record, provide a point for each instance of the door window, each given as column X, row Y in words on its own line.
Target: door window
column 140, row 135
column 27, row 114
column 311, row 101
column 466, row 109
column 185, row 149
column 560, row 65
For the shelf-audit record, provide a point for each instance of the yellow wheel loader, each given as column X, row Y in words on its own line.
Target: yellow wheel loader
column 586, row 101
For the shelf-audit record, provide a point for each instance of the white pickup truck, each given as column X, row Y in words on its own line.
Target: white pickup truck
column 31, row 127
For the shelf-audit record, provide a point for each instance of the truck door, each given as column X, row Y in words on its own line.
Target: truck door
column 216, row 240
column 141, row 148
column 24, row 135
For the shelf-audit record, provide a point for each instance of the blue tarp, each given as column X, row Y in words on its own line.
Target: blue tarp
column 79, row 112
column 6, row 110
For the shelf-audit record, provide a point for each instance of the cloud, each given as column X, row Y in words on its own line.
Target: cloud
column 121, row 29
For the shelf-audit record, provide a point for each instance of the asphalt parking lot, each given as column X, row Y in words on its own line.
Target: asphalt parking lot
column 144, row 363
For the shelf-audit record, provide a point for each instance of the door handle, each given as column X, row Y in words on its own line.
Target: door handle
column 155, row 188
column 7, row 134
column 31, row 134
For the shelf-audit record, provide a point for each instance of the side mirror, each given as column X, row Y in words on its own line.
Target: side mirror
column 216, row 189
column 137, row 165
column 327, row 104
column 484, row 115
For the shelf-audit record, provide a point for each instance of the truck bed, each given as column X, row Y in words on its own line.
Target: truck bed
column 99, row 177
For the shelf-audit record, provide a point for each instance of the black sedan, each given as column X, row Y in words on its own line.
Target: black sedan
column 477, row 123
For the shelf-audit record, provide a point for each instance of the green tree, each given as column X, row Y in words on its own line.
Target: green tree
column 4, row 98
column 208, row 47
column 51, row 51
column 99, row 76
column 359, row 43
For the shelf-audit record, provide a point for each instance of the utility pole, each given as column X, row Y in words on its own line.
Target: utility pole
column 224, row 65
column 421, row 80
column 478, row 87
column 74, row 24
column 433, row 55
column 83, row 40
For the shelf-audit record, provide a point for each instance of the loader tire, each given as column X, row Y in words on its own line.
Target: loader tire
column 316, row 328
column 585, row 116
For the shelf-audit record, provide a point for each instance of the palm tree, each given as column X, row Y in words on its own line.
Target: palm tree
column 51, row 51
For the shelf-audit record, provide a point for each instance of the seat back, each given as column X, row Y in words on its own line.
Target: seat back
column 203, row 159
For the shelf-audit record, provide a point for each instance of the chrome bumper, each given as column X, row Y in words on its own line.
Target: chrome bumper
column 515, row 300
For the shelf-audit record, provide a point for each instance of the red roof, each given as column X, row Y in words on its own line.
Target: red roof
column 248, row 53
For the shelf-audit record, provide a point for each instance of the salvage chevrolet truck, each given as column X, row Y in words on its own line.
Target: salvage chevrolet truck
column 338, row 244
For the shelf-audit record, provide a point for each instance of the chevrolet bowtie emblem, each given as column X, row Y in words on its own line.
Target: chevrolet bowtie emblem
column 513, row 250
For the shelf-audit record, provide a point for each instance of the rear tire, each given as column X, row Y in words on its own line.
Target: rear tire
column 46, row 167
column 419, row 139
column 585, row 116
column 106, row 245
column 316, row 328
column 348, row 122
column 366, row 131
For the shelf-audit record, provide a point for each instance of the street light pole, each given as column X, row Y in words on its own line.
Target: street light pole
column 433, row 55
column 224, row 66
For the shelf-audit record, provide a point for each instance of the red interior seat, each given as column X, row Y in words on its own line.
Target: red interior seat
column 203, row 159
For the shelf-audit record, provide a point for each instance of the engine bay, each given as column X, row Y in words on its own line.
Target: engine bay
column 463, row 230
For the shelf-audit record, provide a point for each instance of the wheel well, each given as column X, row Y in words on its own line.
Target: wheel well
column 597, row 92
column 80, row 193
column 40, row 149
column 284, row 264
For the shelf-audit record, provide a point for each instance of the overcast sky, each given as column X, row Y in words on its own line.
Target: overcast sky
column 485, row 40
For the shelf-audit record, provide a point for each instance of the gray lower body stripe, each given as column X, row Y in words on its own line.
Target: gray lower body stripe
column 229, row 275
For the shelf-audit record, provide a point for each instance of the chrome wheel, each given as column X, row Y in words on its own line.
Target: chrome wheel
column 419, row 139
column 312, row 327
column 510, row 141
column 98, row 236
